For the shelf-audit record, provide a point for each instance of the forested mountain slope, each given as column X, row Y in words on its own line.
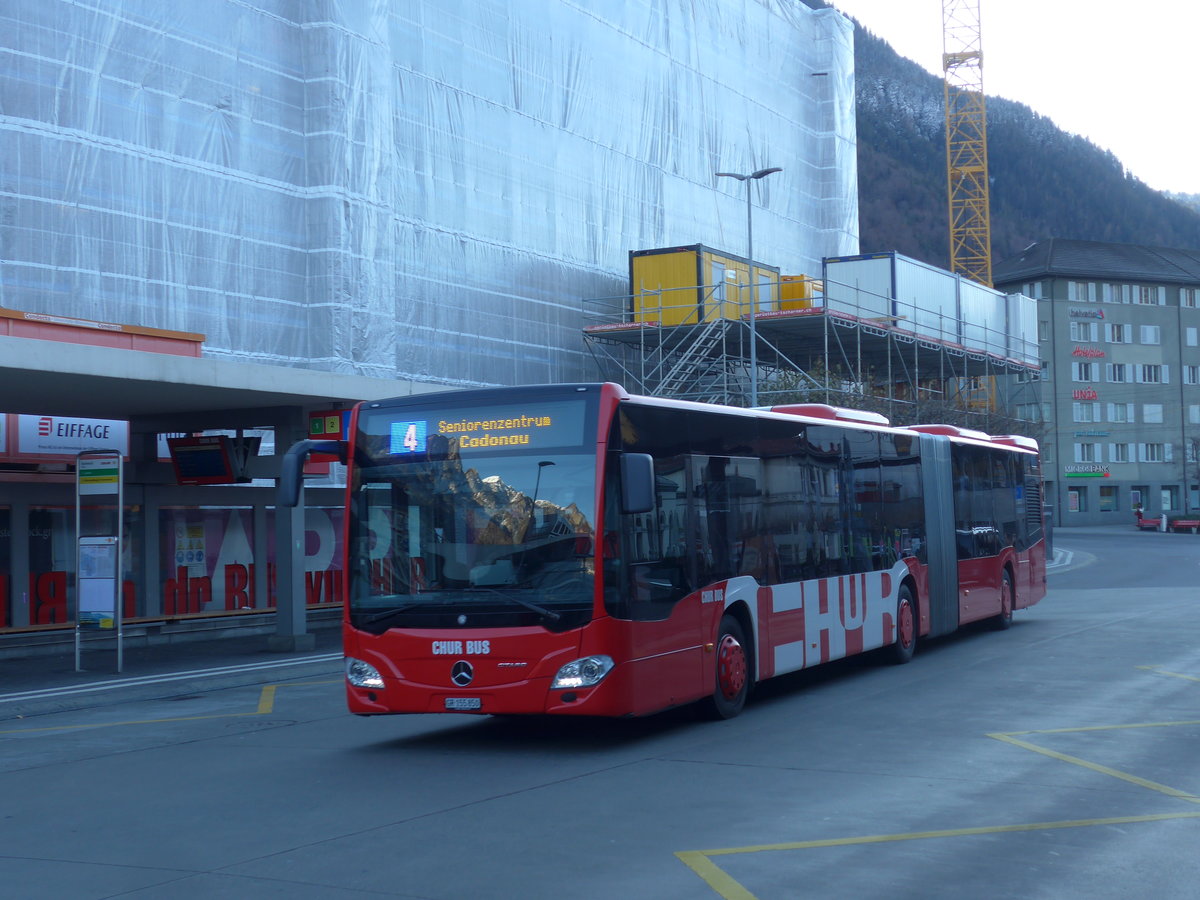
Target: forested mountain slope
column 1044, row 181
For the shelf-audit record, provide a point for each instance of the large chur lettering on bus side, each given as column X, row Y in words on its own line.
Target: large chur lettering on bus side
column 824, row 619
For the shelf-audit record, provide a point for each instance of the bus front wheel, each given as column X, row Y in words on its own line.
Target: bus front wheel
column 1004, row 621
column 733, row 675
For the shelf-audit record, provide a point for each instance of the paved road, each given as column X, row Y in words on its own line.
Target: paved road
column 1053, row 760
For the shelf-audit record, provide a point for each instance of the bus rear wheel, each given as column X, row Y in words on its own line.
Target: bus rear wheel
column 906, row 627
column 733, row 676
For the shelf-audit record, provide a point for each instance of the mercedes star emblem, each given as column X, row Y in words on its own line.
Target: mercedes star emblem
column 462, row 673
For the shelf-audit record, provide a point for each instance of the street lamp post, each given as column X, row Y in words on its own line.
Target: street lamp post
column 537, row 484
column 753, row 176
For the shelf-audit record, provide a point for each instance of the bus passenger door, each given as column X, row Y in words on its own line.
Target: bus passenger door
column 666, row 611
column 941, row 552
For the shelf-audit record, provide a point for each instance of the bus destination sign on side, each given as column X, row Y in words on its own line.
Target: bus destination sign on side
column 533, row 426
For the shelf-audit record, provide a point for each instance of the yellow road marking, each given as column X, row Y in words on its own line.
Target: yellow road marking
column 1009, row 738
column 949, row 832
column 725, row 886
column 1159, row 671
column 1100, row 728
column 714, row 876
column 266, row 700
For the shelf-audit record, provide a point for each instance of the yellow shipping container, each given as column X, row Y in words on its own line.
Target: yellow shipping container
column 798, row 291
column 694, row 284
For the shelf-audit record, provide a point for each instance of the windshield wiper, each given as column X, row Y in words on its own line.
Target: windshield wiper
column 397, row 611
column 389, row 615
column 547, row 614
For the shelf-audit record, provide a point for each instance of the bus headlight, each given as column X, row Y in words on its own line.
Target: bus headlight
column 362, row 674
column 582, row 673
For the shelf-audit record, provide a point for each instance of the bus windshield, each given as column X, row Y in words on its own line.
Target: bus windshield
column 451, row 536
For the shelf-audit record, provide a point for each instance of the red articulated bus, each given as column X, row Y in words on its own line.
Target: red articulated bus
column 573, row 549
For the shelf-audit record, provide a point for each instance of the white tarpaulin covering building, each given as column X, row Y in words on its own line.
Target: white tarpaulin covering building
column 419, row 189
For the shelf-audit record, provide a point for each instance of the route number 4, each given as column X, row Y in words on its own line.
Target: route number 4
column 412, row 440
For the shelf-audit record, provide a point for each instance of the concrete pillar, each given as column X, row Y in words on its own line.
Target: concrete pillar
column 151, row 551
column 18, row 512
column 291, row 632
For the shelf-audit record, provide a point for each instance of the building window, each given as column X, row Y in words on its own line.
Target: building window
column 1153, row 453
column 1119, row 373
column 1033, row 289
column 1108, row 499
column 1118, row 453
column 1194, row 413
column 764, row 300
column 1086, row 453
column 1152, row 413
column 1081, row 291
column 1187, row 297
column 1151, row 334
column 1191, row 335
column 1120, row 412
column 1085, row 412
column 1152, row 375
column 1077, row 499
column 1084, row 332
column 1084, row 371
column 1170, row 498
column 1029, row 412
column 1191, row 374
column 1118, row 333
column 1152, row 296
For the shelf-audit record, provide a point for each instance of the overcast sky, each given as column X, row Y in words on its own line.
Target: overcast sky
column 1124, row 75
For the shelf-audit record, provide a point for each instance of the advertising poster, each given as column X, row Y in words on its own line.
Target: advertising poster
column 209, row 564
column 52, row 558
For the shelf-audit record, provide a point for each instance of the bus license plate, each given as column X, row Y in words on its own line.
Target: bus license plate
column 464, row 703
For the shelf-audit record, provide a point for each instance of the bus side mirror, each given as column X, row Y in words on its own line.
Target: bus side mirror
column 291, row 472
column 637, row 482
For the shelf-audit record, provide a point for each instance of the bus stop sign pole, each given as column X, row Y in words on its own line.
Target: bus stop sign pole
column 99, row 486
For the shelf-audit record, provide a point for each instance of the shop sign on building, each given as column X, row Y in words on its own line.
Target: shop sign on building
column 1086, row 470
column 63, row 436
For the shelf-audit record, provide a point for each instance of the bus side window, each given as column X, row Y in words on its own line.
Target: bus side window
column 727, row 496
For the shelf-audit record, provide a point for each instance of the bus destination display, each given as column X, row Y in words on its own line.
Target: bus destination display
column 530, row 426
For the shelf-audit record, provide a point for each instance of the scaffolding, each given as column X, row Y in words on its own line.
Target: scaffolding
column 847, row 346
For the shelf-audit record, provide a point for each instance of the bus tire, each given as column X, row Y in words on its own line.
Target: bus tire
column 733, row 674
column 905, row 645
column 1004, row 621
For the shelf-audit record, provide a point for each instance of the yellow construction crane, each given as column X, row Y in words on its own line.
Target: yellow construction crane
column 966, row 142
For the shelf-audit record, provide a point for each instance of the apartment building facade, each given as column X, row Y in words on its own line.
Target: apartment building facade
column 1119, row 392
